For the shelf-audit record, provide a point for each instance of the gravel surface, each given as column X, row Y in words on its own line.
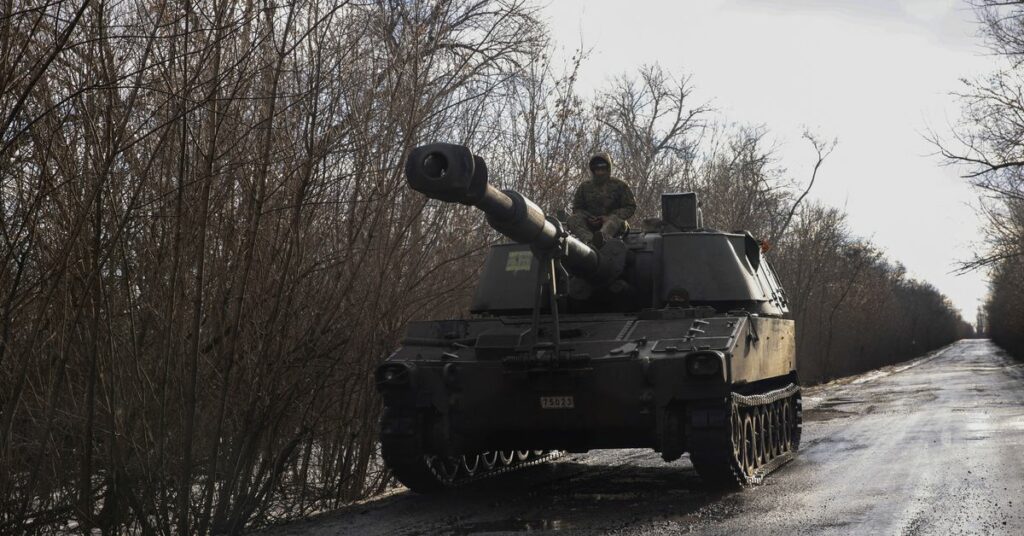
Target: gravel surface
column 932, row 446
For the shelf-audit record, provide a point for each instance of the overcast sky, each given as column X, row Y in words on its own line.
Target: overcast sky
column 876, row 74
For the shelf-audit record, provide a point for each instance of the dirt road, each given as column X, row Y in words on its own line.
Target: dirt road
column 933, row 446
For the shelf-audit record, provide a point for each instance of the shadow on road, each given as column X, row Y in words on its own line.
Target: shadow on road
column 565, row 495
column 576, row 495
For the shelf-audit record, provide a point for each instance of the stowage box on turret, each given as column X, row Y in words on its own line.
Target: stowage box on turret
column 671, row 338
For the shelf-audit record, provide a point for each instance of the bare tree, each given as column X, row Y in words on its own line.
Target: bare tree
column 651, row 126
column 988, row 144
column 207, row 245
column 823, row 150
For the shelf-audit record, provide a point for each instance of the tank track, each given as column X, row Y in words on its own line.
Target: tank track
column 428, row 474
column 759, row 434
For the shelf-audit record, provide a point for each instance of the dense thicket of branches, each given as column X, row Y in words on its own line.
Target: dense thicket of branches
column 989, row 143
column 1004, row 310
column 207, row 246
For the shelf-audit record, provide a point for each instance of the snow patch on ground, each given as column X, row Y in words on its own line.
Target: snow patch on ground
column 812, row 397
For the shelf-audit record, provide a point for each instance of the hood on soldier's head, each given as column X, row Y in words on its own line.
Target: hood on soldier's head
column 600, row 156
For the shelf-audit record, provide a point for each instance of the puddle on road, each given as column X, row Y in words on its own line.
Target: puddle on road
column 583, row 498
column 824, row 414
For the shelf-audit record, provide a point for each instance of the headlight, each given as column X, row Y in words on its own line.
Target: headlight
column 704, row 364
column 450, row 373
column 392, row 374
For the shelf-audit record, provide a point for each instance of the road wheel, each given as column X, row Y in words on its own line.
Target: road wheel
column 445, row 467
column 780, row 427
column 786, row 420
column 749, row 446
column 470, row 464
column 489, row 459
column 773, row 430
column 797, row 424
column 758, row 426
column 736, row 427
column 507, row 456
column 766, row 431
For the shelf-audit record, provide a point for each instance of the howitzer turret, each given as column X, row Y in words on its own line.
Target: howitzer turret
column 671, row 337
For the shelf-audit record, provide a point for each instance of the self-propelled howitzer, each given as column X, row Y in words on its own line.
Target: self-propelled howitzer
column 671, row 338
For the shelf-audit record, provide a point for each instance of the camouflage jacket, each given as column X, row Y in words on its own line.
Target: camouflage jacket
column 609, row 197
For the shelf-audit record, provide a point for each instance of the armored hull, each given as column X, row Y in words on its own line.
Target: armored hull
column 672, row 339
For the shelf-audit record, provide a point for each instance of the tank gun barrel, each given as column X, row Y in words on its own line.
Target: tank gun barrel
column 452, row 173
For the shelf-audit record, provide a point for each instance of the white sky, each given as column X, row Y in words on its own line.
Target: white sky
column 876, row 74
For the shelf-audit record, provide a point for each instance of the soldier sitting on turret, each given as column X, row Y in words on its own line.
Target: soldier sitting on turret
column 601, row 205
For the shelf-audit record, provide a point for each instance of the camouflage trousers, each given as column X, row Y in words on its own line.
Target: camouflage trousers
column 577, row 225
